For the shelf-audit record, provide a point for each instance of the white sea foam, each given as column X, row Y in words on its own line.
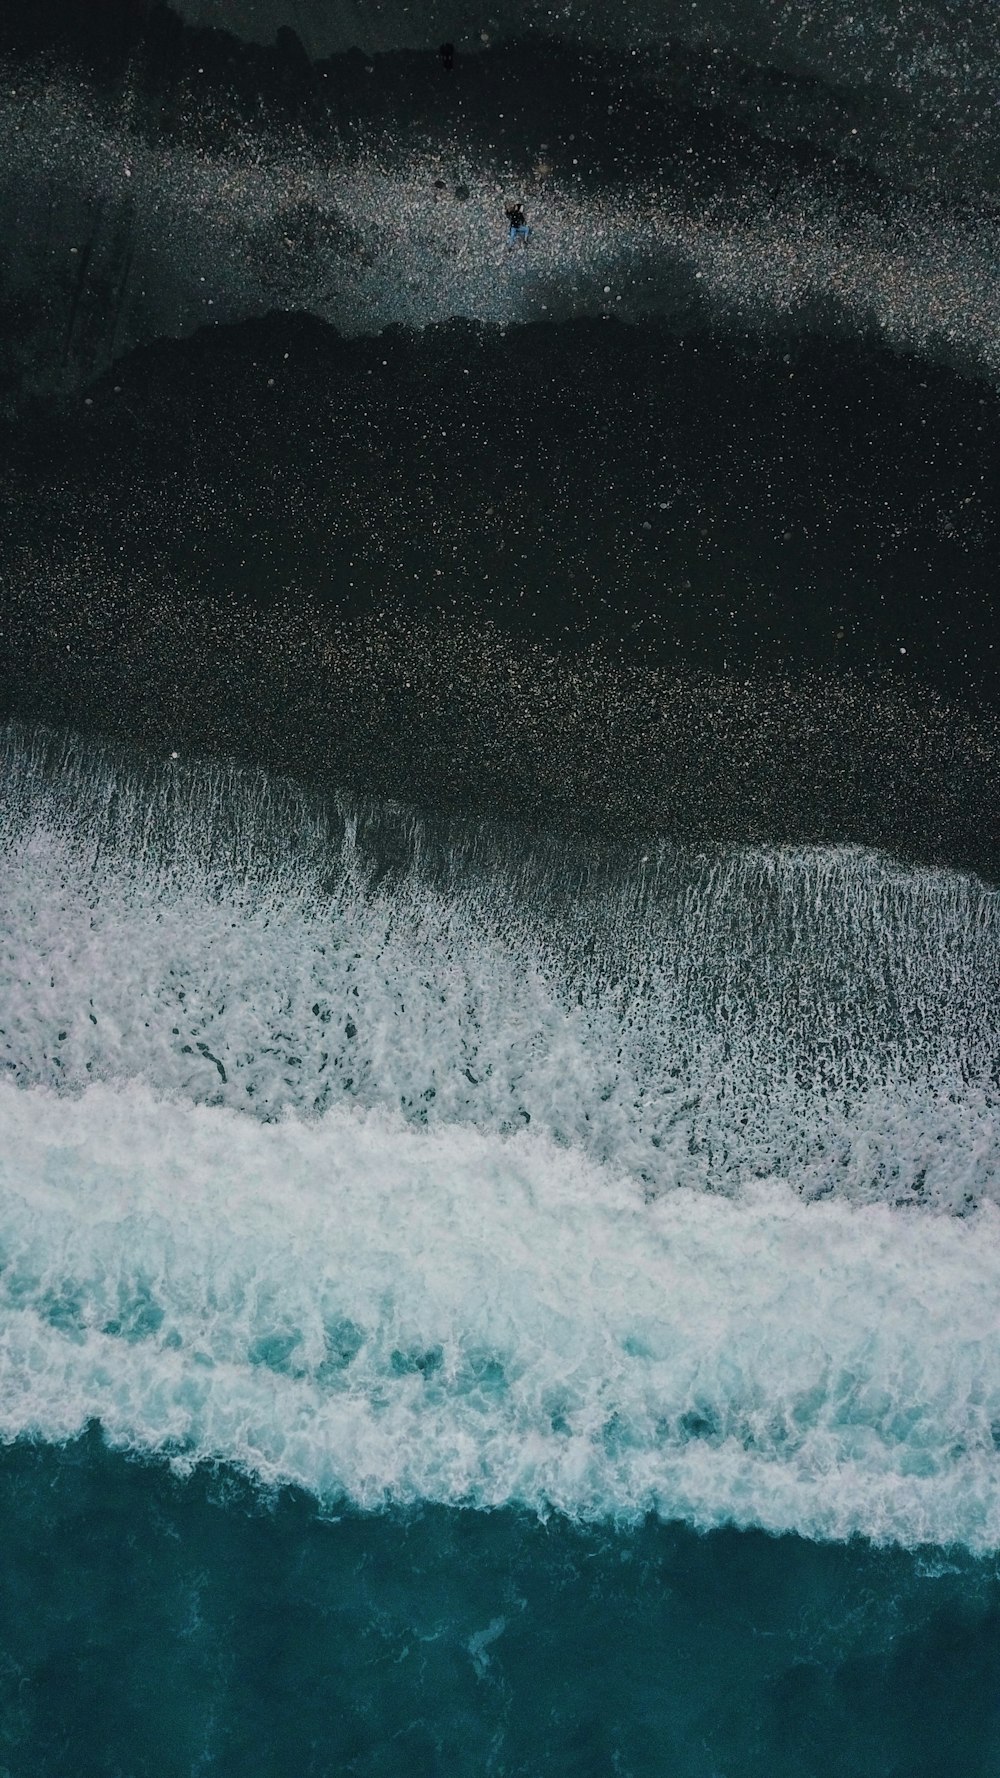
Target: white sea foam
column 693, row 1020
column 410, row 1164
column 376, row 1312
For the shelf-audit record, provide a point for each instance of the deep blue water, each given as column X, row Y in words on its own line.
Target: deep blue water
column 171, row 1627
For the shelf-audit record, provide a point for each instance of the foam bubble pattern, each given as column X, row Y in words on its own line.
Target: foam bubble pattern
column 378, row 1313
column 692, row 1019
column 405, row 1161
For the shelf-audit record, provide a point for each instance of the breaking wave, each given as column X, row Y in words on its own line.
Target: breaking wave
column 404, row 1161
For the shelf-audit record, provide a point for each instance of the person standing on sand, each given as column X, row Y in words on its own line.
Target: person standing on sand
column 519, row 230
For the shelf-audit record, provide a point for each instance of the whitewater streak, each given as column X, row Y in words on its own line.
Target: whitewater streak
column 380, row 1314
column 697, row 1019
column 409, row 1162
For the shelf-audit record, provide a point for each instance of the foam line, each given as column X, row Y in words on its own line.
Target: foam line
column 379, row 1313
column 692, row 1019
